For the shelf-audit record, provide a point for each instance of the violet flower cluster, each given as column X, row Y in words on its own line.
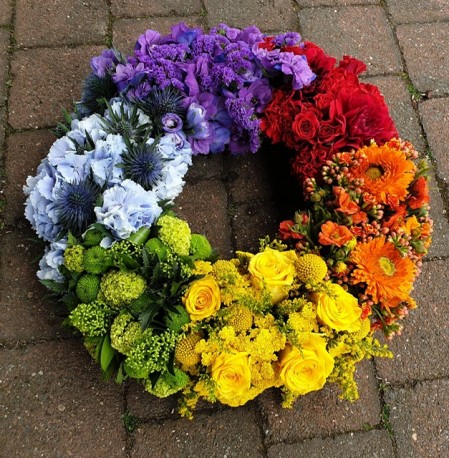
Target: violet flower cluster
column 224, row 77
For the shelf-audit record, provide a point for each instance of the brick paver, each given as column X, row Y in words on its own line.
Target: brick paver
column 421, row 351
column 126, row 31
column 4, row 45
column 139, row 8
column 60, row 73
column 424, row 47
column 418, row 10
column 419, row 418
column 52, row 398
column 60, row 22
column 345, row 30
column 268, row 15
column 58, row 405
column 5, row 11
column 353, row 445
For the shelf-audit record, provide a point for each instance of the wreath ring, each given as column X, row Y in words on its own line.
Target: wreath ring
column 152, row 300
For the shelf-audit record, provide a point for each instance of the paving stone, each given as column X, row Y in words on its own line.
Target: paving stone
column 422, row 46
column 5, row 11
column 354, row 445
column 419, row 419
column 253, row 221
column 418, row 10
column 140, row 8
column 313, row 3
column 227, row 433
column 440, row 235
column 268, row 15
column 204, row 205
column 420, row 353
column 360, row 31
column 126, row 31
column 321, row 413
column 24, row 153
column 206, row 166
column 264, row 175
column 54, row 403
column 26, row 313
column 2, row 130
column 399, row 102
column 435, row 117
column 144, row 406
column 59, row 22
column 4, row 44
column 45, row 81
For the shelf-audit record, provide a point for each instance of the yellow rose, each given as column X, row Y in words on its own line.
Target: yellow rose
column 338, row 309
column 232, row 376
column 305, row 369
column 275, row 270
column 202, row 299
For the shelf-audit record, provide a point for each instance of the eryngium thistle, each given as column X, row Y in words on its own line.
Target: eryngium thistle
column 162, row 101
column 143, row 164
column 95, row 92
column 75, row 205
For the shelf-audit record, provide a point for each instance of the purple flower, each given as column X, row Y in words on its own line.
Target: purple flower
column 171, row 123
column 103, row 63
column 258, row 94
column 126, row 75
column 146, row 42
column 181, row 33
column 196, row 122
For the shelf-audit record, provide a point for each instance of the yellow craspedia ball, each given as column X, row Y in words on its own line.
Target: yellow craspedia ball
column 311, row 267
column 365, row 328
column 184, row 350
column 240, row 318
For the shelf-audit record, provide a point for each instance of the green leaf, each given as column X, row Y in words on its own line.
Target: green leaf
column 140, row 237
column 71, row 239
column 54, row 286
column 107, row 353
column 98, row 349
column 171, row 364
column 120, row 374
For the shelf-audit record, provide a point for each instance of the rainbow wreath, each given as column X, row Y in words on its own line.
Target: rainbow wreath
column 150, row 298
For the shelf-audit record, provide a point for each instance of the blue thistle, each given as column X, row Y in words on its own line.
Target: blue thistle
column 126, row 123
column 75, row 205
column 162, row 101
column 143, row 164
column 95, row 92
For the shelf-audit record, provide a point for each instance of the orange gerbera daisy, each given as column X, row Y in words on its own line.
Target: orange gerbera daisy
column 389, row 278
column 386, row 172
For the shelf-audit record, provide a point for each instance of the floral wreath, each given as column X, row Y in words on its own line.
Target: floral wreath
column 151, row 299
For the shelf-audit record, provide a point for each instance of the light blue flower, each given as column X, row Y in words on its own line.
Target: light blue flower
column 126, row 208
column 105, row 159
column 51, row 261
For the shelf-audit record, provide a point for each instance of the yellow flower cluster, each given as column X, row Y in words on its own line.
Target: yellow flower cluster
column 269, row 320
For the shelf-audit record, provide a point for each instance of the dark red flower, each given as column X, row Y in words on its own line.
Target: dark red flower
column 318, row 60
column 267, row 43
column 306, row 125
column 353, row 65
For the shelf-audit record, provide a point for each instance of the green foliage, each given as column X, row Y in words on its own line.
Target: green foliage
column 130, row 422
column 168, row 384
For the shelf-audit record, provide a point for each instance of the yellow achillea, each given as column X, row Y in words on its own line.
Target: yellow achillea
column 240, row 318
column 202, row 268
column 305, row 320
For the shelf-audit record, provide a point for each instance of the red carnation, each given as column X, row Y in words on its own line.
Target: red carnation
column 353, row 65
column 318, row 60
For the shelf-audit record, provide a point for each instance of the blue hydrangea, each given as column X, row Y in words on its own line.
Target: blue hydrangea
column 126, row 208
column 51, row 261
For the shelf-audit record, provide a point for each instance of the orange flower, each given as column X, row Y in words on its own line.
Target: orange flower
column 334, row 234
column 419, row 193
column 389, row 278
column 410, row 225
column 386, row 171
column 346, row 204
column 286, row 232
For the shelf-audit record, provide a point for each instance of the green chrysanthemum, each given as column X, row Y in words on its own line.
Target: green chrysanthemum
column 73, row 258
column 120, row 288
column 125, row 331
column 168, row 384
column 200, row 247
column 87, row 288
column 93, row 237
column 155, row 246
column 91, row 319
column 96, row 260
column 175, row 233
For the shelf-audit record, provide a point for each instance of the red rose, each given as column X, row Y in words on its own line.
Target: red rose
column 306, row 125
column 352, row 65
column 318, row 60
column 330, row 130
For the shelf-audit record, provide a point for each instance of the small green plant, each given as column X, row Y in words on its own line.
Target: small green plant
column 368, row 427
column 130, row 422
column 385, row 419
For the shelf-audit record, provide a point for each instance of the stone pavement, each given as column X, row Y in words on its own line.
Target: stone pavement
column 52, row 400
